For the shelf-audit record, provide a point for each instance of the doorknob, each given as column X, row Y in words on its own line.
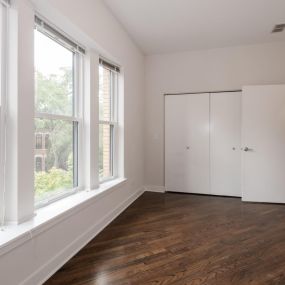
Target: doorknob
column 247, row 149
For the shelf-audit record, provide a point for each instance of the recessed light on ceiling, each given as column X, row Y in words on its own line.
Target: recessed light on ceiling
column 278, row 28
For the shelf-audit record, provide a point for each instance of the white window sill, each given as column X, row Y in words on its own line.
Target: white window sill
column 46, row 217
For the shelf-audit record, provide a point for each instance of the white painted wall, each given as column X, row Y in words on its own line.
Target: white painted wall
column 44, row 252
column 219, row 69
column 207, row 70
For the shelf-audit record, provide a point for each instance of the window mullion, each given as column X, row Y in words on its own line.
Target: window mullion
column 90, row 103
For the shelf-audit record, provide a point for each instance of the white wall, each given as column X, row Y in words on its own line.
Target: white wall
column 208, row 70
column 39, row 255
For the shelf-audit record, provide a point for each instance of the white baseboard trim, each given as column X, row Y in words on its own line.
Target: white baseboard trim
column 53, row 265
column 152, row 188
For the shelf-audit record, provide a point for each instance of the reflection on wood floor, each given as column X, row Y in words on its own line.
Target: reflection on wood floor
column 184, row 239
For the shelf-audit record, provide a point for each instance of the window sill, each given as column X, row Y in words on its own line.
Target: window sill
column 46, row 217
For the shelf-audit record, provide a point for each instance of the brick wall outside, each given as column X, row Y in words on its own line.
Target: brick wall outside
column 106, row 117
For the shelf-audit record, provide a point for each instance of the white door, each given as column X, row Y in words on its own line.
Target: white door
column 187, row 143
column 225, row 143
column 263, row 140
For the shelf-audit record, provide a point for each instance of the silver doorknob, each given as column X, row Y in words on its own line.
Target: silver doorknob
column 247, row 149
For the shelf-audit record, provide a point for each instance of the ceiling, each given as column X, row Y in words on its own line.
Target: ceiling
column 161, row 26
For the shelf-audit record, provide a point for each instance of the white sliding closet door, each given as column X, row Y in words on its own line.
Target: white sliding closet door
column 263, row 140
column 187, row 143
column 225, row 143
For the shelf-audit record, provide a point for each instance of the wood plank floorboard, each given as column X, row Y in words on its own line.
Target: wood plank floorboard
column 184, row 239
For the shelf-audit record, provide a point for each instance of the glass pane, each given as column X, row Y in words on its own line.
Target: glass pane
column 105, row 88
column 105, row 151
column 53, row 76
column 54, row 161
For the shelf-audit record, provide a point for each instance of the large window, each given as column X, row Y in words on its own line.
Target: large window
column 60, row 128
column 108, row 89
column 57, row 68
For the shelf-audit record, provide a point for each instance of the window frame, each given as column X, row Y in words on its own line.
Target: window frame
column 3, row 101
column 77, row 112
column 20, row 32
column 112, row 123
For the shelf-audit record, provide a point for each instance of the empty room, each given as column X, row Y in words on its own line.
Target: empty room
column 142, row 142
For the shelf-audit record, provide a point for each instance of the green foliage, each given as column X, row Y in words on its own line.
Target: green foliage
column 53, row 180
column 54, row 95
column 54, row 92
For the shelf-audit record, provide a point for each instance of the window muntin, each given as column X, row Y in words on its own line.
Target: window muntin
column 108, row 80
column 57, row 117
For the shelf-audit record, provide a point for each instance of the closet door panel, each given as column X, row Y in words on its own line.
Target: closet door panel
column 225, row 143
column 263, row 136
column 187, row 143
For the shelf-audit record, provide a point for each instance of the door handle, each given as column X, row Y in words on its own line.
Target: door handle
column 246, row 149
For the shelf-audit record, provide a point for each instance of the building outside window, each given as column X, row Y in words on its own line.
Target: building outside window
column 39, row 163
column 41, row 151
column 108, row 89
column 39, row 141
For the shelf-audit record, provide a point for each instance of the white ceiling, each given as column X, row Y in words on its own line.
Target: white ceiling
column 160, row 26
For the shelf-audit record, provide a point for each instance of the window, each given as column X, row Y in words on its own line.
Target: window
column 108, row 88
column 39, row 163
column 57, row 73
column 46, row 141
column 39, row 142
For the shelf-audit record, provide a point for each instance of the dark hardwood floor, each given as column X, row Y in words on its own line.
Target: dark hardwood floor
column 184, row 239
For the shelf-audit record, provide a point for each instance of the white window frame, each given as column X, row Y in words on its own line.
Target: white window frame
column 21, row 116
column 3, row 102
column 76, row 117
column 113, row 123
